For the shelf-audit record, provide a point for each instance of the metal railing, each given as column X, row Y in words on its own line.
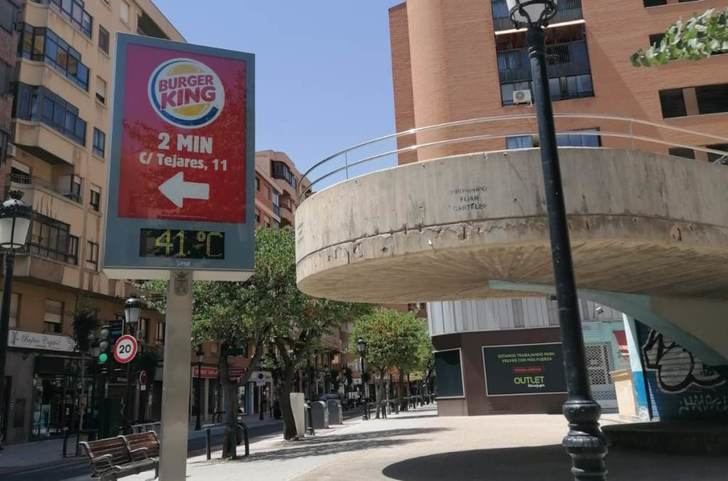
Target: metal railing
column 568, row 10
column 368, row 156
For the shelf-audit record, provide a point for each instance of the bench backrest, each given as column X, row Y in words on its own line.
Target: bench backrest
column 116, row 447
column 146, row 440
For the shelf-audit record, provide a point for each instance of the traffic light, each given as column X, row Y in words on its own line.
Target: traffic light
column 104, row 345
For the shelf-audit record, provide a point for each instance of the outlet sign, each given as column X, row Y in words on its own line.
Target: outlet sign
column 181, row 171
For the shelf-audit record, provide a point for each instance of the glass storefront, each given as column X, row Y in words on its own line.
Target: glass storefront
column 57, row 393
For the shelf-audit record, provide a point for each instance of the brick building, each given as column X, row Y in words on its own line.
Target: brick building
column 454, row 61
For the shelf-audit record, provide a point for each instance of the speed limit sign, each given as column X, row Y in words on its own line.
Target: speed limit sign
column 125, row 349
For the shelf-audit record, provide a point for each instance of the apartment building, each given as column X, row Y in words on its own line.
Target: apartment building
column 454, row 61
column 61, row 122
column 8, row 41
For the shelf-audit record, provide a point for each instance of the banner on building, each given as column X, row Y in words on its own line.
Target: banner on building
column 523, row 369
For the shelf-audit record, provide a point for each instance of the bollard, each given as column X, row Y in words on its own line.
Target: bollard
column 208, row 443
column 246, row 439
column 65, row 441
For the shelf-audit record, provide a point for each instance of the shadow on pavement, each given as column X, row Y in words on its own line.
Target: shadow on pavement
column 550, row 463
column 336, row 444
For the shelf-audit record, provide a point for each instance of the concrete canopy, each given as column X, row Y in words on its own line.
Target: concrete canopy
column 640, row 223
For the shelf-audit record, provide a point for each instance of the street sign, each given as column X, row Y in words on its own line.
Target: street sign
column 181, row 169
column 125, row 349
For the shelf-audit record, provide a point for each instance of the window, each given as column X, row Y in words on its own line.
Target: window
column 449, row 374
column 712, row 99
column 92, row 254
column 160, row 332
column 6, row 76
column 99, row 142
column 104, row 39
column 578, row 139
column 74, row 12
column 672, row 103
column 8, row 13
column 718, row 158
column 53, row 318
column 257, row 217
column 75, row 189
column 281, row 171
column 95, row 198
column 257, row 184
column 682, row 152
column 101, row 90
column 51, row 239
column 124, row 13
column 4, row 142
column 14, row 307
column 42, row 44
column 656, row 38
column 519, row 142
column 654, row 3
column 41, row 105
column 276, row 203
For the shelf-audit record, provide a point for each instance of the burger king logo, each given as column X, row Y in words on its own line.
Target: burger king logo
column 186, row 93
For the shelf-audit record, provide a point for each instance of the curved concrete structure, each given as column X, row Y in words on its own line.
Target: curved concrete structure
column 640, row 223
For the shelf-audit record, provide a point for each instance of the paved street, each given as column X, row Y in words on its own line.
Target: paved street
column 419, row 446
column 76, row 469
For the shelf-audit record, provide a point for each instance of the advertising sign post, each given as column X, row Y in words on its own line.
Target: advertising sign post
column 180, row 192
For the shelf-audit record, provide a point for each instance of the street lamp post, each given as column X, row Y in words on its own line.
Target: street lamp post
column 132, row 312
column 15, row 219
column 200, row 357
column 361, row 347
column 584, row 442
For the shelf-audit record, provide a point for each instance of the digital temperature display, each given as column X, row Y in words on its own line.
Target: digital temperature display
column 182, row 244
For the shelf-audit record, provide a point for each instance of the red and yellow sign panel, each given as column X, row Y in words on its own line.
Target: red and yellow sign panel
column 182, row 155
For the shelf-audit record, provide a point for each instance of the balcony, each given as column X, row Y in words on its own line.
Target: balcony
column 45, row 143
column 32, row 187
column 74, row 12
column 568, row 11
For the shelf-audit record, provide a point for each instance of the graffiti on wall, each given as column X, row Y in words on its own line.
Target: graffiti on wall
column 677, row 368
column 680, row 384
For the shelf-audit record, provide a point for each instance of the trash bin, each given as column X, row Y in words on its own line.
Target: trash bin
column 319, row 415
column 336, row 415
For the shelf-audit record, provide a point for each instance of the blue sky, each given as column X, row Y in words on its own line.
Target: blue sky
column 323, row 67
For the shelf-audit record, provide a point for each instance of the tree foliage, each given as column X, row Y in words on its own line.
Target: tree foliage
column 697, row 38
column 266, row 311
column 395, row 340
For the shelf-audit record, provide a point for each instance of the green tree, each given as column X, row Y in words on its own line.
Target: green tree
column 268, row 314
column 395, row 340
column 699, row 37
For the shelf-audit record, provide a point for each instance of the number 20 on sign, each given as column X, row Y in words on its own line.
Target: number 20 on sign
column 125, row 349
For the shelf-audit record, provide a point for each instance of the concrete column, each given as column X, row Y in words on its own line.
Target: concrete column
column 176, row 378
column 642, row 395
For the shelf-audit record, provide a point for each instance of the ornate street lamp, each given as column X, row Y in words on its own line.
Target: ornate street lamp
column 15, row 219
column 584, row 442
column 132, row 310
column 361, row 348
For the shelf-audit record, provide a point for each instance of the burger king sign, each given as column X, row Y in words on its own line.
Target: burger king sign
column 182, row 158
column 186, row 93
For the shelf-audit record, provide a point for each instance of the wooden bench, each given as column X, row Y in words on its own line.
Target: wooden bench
column 115, row 458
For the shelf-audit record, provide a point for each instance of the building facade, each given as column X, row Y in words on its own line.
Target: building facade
column 454, row 61
column 60, row 132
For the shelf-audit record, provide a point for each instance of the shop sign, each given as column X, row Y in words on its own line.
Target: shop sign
column 44, row 342
column 523, row 369
column 181, row 169
column 205, row 373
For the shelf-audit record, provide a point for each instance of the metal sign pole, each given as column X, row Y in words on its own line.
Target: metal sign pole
column 176, row 386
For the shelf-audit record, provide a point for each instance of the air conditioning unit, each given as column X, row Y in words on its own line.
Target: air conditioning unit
column 522, row 97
